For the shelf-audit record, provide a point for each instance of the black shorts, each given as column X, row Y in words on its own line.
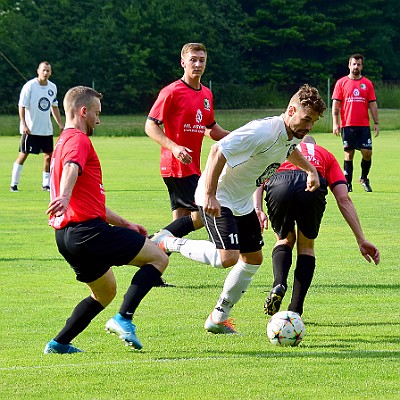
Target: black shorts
column 181, row 192
column 229, row 232
column 356, row 138
column 35, row 144
column 288, row 203
column 92, row 247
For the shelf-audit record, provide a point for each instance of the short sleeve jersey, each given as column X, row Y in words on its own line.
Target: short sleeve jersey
column 37, row 101
column 324, row 161
column 185, row 113
column 88, row 197
column 253, row 153
column 355, row 96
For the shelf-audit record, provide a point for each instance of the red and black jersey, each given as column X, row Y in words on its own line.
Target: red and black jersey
column 185, row 113
column 324, row 161
column 355, row 96
column 88, row 196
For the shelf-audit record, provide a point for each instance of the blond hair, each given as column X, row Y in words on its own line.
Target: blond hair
column 188, row 47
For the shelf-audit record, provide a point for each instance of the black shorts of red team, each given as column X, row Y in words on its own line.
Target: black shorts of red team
column 181, row 192
column 35, row 144
column 288, row 203
column 356, row 138
column 230, row 232
column 93, row 247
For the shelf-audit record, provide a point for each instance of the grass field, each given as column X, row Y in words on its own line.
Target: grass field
column 352, row 346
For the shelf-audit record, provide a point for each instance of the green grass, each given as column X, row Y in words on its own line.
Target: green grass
column 133, row 125
column 351, row 350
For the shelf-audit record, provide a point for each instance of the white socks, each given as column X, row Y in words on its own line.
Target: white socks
column 236, row 284
column 198, row 250
column 46, row 179
column 16, row 173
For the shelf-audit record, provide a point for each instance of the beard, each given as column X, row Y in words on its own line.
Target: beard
column 299, row 134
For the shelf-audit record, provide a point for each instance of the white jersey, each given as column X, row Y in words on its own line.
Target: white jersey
column 37, row 101
column 253, row 153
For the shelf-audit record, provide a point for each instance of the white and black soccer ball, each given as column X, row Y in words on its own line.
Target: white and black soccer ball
column 286, row 328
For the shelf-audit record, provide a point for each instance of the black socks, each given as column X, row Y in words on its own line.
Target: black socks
column 303, row 276
column 181, row 226
column 80, row 318
column 281, row 263
column 365, row 167
column 348, row 170
column 141, row 283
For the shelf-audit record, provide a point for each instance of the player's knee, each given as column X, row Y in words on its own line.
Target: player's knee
column 160, row 262
column 21, row 159
column 229, row 259
column 106, row 295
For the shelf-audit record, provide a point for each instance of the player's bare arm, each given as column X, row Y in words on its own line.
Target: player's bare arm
column 154, row 131
column 57, row 116
column 59, row 205
column 216, row 132
column 346, row 207
column 215, row 164
column 115, row 219
column 21, row 111
column 298, row 159
column 373, row 108
column 258, row 206
column 335, row 116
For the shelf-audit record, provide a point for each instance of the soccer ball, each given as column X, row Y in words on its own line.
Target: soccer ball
column 286, row 328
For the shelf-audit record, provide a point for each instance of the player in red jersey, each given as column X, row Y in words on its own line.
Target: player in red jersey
column 288, row 204
column 90, row 236
column 353, row 96
column 185, row 109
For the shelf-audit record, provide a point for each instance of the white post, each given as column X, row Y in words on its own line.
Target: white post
column 329, row 102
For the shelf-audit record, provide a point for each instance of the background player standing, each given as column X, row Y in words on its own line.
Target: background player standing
column 185, row 108
column 37, row 99
column 353, row 95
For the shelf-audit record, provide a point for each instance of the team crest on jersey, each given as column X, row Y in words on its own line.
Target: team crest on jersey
column 269, row 171
column 199, row 116
column 50, row 93
column 207, row 104
column 363, row 86
column 356, row 92
column 44, row 104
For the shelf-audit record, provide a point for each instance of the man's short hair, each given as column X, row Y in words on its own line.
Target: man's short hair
column 357, row 56
column 44, row 63
column 308, row 97
column 79, row 96
column 188, row 47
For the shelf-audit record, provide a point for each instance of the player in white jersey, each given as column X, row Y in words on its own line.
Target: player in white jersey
column 38, row 98
column 236, row 165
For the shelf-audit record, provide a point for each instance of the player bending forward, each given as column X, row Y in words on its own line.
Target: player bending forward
column 236, row 165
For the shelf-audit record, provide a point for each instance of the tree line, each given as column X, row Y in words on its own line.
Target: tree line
column 130, row 49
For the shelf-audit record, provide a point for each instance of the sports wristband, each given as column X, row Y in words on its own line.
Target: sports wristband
column 376, row 123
